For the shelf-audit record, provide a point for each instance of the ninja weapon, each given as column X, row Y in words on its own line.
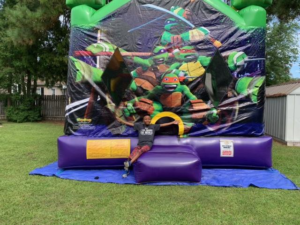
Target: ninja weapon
column 215, row 42
column 145, row 24
column 162, row 10
column 169, row 12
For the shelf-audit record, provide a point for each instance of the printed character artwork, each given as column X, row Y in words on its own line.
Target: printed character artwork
column 191, row 58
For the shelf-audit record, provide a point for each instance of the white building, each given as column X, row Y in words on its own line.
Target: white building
column 57, row 89
column 282, row 113
column 41, row 89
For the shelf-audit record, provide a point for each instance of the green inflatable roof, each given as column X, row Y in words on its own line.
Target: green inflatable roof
column 88, row 13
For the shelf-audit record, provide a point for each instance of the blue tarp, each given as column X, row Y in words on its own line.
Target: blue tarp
column 269, row 178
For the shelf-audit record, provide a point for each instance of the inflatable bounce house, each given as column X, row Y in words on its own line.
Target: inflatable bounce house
column 200, row 62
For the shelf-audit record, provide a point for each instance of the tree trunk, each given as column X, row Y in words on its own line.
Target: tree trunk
column 28, row 83
column 23, row 85
column 19, row 88
column 9, row 90
column 34, row 85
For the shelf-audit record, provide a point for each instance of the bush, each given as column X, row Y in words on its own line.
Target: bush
column 24, row 109
column 3, row 97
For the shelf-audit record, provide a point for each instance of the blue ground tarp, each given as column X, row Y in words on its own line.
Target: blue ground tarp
column 242, row 178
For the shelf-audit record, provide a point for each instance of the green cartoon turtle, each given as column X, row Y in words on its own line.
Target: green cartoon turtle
column 169, row 96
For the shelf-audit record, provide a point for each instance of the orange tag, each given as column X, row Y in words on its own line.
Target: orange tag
column 108, row 149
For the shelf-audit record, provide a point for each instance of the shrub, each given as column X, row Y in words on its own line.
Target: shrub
column 24, row 109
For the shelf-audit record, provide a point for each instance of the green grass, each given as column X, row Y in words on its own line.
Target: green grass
column 28, row 199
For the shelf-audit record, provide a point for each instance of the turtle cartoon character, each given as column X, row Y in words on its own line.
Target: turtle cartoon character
column 148, row 74
column 172, row 35
column 190, row 63
column 170, row 95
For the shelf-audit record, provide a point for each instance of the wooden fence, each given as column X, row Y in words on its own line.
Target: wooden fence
column 53, row 107
column 2, row 113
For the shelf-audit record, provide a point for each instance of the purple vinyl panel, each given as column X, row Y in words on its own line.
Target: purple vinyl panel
column 248, row 152
column 167, row 140
column 168, row 163
column 253, row 152
column 72, row 153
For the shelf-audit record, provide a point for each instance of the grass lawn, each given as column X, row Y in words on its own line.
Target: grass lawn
column 28, row 199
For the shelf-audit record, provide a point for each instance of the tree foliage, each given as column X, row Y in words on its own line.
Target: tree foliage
column 34, row 40
column 33, row 43
column 285, row 10
column 282, row 48
column 281, row 51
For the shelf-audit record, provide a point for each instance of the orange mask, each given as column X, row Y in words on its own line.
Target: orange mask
column 170, row 80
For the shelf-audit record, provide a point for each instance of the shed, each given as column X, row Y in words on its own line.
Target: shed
column 282, row 113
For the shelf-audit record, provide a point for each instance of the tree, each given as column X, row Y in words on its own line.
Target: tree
column 282, row 40
column 7, row 52
column 34, row 37
column 281, row 51
column 284, row 10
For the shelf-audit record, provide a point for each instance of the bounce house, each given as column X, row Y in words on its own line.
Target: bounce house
column 200, row 62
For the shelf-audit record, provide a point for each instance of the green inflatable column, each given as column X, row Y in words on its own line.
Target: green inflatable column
column 249, row 14
column 85, row 14
column 240, row 4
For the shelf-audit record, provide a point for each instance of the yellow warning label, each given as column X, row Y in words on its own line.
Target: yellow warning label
column 108, row 149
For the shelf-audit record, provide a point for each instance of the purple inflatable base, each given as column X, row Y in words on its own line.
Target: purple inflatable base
column 172, row 158
column 248, row 152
